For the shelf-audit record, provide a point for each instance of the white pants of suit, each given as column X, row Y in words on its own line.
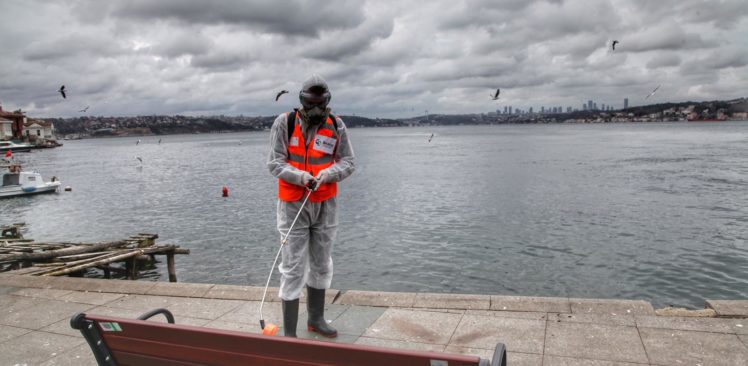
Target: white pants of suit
column 306, row 258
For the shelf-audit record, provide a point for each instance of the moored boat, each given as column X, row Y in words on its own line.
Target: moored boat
column 16, row 182
column 14, row 147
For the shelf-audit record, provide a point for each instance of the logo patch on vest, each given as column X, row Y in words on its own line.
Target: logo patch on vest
column 294, row 141
column 324, row 144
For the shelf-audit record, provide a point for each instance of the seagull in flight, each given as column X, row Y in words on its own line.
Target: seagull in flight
column 62, row 91
column 137, row 142
column 496, row 96
column 84, row 110
column 614, row 44
column 141, row 160
column 653, row 92
column 432, row 136
column 279, row 94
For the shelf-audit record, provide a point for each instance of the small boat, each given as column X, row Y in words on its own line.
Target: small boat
column 16, row 182
column 12, row 146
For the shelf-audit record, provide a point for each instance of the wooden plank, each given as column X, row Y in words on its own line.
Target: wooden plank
column 93, row 264
column 58, row 252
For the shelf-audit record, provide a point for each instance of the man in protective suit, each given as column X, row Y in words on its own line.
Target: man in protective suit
column 309, row 154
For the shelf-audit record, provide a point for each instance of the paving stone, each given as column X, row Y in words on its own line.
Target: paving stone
column 118, row 286
column 594, row 341
column 42, row 293
column 7, row 332
column 679, row 347
column 729, row 308
column 179, row 289
column 612, row 307
column 356, row 319
column 116, row 312
column 233, row 292
column 7, row 289
column 42, row 313
column 202, row 308
column 399, row 344
column 744, row 339
column 518, row 335
column 94, row 298
column 142, row 303
column 23, row 281
column 738, row 326
column 249, row 313
column 11, row 303
column 332, row 312
column 451, row 301
column 529, row 303
column 512, row 358
column 62, row 327
column 341, row 338
column 239, row 327
column 625, row 320
column 370, row 298
column 414, row 326
column 35, row 347
column 567, row 361
column 77, row 356
column 680, row 323
column 509, row 314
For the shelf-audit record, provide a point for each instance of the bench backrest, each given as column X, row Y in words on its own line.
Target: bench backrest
column 118, row 341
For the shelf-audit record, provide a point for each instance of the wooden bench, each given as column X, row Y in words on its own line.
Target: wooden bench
column 118, row 341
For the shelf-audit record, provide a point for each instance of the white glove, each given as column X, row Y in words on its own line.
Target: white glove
column 308, row 181
column 323, row 177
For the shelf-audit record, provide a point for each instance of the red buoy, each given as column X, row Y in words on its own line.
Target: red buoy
column 225, row 191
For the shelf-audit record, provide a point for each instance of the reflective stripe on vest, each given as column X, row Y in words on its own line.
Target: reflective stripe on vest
column 312, row 159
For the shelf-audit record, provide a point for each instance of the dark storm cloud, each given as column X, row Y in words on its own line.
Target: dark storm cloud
column 723, row 14
column 72, row 45
column 222, row 60
column 350, row 43
column 299, row 18
column 668, row 36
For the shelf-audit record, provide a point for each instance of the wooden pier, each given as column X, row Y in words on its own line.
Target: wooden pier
column 27, row 257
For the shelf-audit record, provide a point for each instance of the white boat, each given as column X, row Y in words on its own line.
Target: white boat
column 12, row 146
column 16, row 182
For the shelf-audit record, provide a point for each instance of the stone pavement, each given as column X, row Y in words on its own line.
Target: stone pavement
column 35, row 314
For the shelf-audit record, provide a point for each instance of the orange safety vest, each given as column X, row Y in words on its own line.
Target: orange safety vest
column 318, row 156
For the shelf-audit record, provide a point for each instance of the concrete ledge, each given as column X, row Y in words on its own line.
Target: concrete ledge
column 233, row 292
column 612, row 307
column 729, row 308
column 371, row 298
column 252, row 293
column 531, row 304
column 179, row 289
column 452, row 301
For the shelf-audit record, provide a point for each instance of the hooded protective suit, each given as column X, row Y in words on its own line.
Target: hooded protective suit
column 306, row 258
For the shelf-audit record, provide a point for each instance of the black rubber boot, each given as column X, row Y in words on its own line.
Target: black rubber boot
column 290, row 317
column 316, row 308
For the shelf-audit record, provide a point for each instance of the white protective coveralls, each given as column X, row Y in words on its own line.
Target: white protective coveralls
column 307, row 256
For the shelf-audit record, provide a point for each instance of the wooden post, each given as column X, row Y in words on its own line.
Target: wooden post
column 132, row 269
column 107, row 271
column 170, row 267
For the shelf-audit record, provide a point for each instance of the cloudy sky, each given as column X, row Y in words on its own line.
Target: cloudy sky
column 381, row 58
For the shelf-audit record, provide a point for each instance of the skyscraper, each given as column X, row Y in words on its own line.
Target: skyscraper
column 625, row 103
column 589, row 105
